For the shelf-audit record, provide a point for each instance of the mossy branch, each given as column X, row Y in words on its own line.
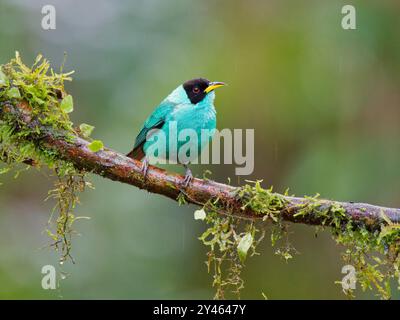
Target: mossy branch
column 116, row 166
column 35, row 130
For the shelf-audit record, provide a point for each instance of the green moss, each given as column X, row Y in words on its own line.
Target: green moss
column 229, row 241
column 34, row 98
column 262, row 201
column 373, row 253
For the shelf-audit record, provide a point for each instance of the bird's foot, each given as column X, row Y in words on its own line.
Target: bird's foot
column 188, row 177
column 145, row 168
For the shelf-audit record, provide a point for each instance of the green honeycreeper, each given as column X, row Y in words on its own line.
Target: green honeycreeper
column 189, row 106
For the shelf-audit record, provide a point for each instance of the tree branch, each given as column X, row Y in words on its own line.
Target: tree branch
column 117, row 167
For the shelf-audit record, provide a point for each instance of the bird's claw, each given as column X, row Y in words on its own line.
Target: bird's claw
column 145, row 168
column 188, row 178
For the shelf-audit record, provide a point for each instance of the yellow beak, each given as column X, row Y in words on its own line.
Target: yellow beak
column 214, row 85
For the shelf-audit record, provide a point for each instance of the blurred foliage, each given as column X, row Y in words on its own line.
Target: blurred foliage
column 324, row 103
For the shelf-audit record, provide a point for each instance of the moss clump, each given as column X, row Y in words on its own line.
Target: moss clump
column 230, row 240
column 270, row 205
column 375, row 254
column 262, row 201
column 33, row 100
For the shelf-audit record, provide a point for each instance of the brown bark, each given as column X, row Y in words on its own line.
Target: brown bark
column 117, row 167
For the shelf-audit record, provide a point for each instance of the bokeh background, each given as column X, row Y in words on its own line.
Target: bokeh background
column 324, row 103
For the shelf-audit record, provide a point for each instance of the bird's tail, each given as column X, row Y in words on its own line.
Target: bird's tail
column 136, row 153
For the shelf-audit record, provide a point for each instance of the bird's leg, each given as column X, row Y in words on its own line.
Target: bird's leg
column 188, row 176
column 145, row 167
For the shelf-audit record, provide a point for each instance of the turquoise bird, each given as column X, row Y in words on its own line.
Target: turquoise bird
column 189, row 106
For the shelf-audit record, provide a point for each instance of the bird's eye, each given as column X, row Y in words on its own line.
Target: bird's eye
column 196, row 90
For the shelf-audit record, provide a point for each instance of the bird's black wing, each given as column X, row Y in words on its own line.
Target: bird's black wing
column 156, row 121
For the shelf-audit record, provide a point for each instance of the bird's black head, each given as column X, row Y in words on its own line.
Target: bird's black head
column 195, row 89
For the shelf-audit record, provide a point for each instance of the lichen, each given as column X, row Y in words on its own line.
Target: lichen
column 31, row 99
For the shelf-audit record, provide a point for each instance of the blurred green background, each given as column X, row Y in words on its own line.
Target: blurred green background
column 324, row 102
